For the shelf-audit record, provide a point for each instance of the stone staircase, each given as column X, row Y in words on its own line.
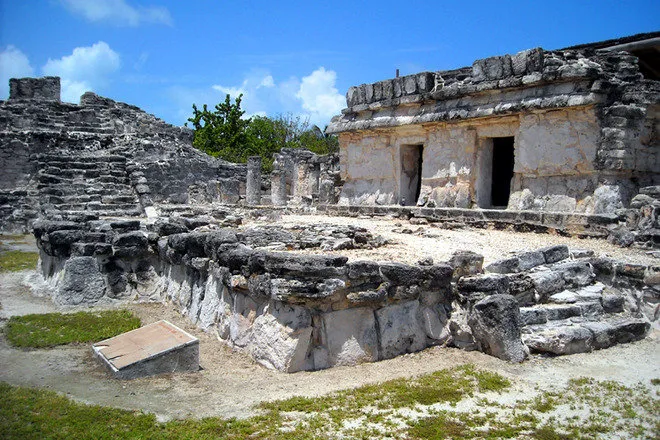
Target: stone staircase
column 60, row 117
column 580, row 320
column 77, row 186
column 567, row 303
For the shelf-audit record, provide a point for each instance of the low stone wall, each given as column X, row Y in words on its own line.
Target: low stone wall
column 294, row 311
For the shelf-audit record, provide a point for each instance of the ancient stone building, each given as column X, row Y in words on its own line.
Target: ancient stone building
column 101, row 157
column 571, row 130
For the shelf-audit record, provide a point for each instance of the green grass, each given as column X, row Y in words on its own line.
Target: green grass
column 13, row 261
column 373, row 411
column 51, row 329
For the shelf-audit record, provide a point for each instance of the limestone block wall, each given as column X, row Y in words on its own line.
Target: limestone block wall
column 290, row 311
column 554, row 161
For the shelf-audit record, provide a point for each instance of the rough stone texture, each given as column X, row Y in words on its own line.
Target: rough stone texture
column 495, row 323
column 350, row 337
column 98, row 158
column 280, row 337
column 46, row 89
column 253, row 184
column 584, row 122
column 81, row 283
column 297, row 311
column 400, row 329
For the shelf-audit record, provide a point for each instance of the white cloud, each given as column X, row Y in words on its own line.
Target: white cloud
column 313, row 98
column 319, row 95
column 118, row 12
column 267, row 82
column 13, row 64
column 86, row 69
column 233, row 91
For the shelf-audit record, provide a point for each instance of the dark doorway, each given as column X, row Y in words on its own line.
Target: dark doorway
column 502, row 171
column 411, row 173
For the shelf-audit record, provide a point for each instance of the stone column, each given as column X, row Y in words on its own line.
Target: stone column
column 278, row 187
column 300, row 181
column 253, row 182
column 326, row 186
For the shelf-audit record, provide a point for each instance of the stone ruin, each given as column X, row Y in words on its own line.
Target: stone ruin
column 571, row 131
column 293, row 311
column 124, row 208
column 105, row 158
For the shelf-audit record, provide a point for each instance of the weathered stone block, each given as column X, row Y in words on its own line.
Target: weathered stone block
column 81, row 283
column 400, row 329
column 350, row 337
column 495, row 323
column 42, row 89
column 280, row 337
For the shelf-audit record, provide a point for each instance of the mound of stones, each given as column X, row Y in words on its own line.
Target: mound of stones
column 297, row 311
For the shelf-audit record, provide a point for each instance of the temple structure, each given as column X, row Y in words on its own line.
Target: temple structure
column 570, row 130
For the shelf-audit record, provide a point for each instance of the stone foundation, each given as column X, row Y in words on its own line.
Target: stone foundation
column 295, row 311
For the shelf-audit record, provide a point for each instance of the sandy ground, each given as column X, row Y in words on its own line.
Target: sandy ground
column 439, row 244
column 230, row 383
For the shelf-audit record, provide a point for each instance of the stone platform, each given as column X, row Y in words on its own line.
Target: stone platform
column 156, row 348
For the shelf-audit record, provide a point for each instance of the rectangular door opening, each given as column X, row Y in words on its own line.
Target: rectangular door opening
column 502, row 171
column 411, row 173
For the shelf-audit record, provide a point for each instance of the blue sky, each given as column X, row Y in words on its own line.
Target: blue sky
column 285, row 57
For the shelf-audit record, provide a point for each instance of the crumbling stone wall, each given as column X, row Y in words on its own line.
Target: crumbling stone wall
column 160, row 163
column 294, row 311
column 302, row 178
column 584, row 123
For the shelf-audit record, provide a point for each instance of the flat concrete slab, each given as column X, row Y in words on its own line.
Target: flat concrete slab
column 156, row 348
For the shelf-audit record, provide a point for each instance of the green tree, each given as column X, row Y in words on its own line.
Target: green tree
column 265, row 137
column 225, row 134
column 222, row 133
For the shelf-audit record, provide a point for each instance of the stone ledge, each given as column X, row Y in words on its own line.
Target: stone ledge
column 581, row 225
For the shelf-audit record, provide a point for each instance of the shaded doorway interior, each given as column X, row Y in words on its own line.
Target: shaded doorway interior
column 502, row 171
column 495, row 161
column 411, row 174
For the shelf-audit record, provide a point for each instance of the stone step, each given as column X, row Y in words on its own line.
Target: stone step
column 571, row 338
column 125, row 198
column 73, row 188
column 112, row 179
column 110, row 206
column 586, row 303
column 555, row 278
column 87, row 159
column 70, row 165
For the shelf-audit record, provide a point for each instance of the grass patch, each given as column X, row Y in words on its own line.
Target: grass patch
column 392, row 409
column 51, row 329
column 13, row 261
